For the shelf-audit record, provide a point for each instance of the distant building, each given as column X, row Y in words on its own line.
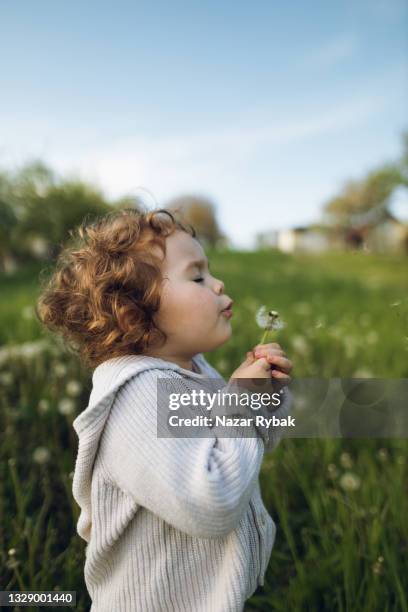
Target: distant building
column 307, row 238
column 267, row 239
column 373, row 231
column 390, row 235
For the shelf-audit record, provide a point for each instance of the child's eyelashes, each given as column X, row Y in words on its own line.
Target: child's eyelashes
column 198, row 280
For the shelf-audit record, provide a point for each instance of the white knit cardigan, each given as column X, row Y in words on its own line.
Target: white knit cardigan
column 171, row 524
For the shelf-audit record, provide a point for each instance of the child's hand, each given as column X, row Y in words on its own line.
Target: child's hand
column 273, row 353
column 253, row 368
column 252, row 373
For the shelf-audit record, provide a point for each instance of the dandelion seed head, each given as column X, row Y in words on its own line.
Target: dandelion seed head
column 332, row 470
column 41, row 455
column 377, row 568
column 12, row 552
column 382, row 455
column 363, row 373
column 60, row 369
column 73, row 388
column 346, row 460
column 299, row 344
column 66, row 406
column 43, row 405
column 6, row 378
column 350, row 481
column 268, row 319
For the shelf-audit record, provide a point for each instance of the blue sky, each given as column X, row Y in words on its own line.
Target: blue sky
column 267, row 108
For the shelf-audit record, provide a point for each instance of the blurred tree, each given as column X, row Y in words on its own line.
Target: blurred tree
column 129, row 201
column 47, row 208
column 200, row 213
column 367, row 199
column 404, row 160
column 8, row 223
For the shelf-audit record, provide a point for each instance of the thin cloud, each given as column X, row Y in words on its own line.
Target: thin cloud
column 331, row 53
column 166, row 165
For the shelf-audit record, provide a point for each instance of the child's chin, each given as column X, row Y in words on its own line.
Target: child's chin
column 226, row 337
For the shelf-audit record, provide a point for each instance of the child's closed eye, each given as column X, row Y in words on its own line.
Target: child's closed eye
column 198, row 280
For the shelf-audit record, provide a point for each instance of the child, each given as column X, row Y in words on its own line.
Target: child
column 171, row 524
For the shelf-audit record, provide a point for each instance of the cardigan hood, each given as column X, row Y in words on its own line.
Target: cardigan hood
column 107, row 379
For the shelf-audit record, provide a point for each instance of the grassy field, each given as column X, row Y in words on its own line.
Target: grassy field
column 340, row 505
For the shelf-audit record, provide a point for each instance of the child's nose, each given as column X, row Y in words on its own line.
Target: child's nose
column 220, row 286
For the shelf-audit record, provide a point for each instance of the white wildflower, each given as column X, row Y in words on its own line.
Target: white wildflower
column 43, row 406
column 350, row 481
column 12, row 552
column 332, row 470
column 73, row 388
column 6, row 378
column 66, row 406
column 382, row 454
column 377, row 568
column 41, row 455
column 60, row 369
column 299, row 344
column 268, row 319
column 346, row 460
column 27, row 349
column 363, row 373
column 300, row 402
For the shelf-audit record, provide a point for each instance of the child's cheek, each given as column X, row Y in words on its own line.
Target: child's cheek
column 201, row 300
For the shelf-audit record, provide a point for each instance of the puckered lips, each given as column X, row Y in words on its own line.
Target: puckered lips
column 227, row 311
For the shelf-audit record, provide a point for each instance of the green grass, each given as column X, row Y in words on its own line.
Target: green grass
column 335, row 549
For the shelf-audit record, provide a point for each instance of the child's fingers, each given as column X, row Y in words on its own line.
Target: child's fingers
column 279, row 374
column 282, row 362
column 265, row 347
column 268, row 351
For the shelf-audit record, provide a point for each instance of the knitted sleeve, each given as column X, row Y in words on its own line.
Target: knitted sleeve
column 200, row 485
column 271, row 435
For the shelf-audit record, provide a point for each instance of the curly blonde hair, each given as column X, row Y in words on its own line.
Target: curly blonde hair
column 106, row 285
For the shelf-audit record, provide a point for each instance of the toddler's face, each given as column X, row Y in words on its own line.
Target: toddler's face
column 192, row 299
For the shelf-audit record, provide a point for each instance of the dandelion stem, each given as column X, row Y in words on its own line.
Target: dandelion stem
column 264, row 336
